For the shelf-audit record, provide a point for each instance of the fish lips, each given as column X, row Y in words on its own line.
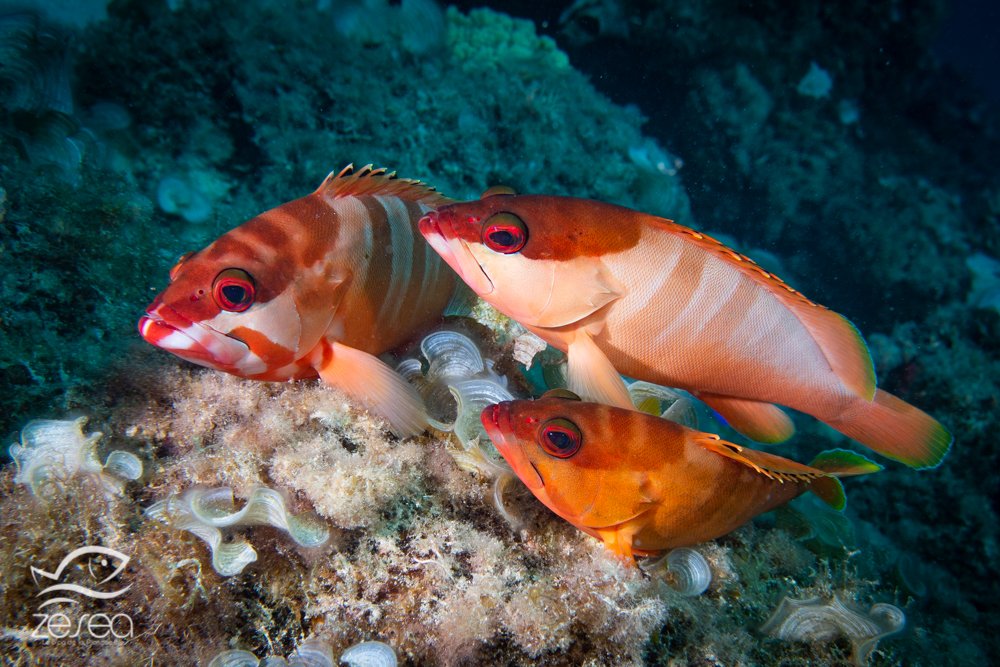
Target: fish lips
column 164, row 328
column 499, row 426
column 441, row 232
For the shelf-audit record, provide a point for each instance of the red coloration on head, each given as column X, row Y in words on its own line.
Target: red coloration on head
column 557, row 228
column 193, row 316
column 161, row 323
column 499, row 425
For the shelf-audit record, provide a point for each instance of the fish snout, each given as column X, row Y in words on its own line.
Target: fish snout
column 162, row 327
column 496, row 419
column 499, row 424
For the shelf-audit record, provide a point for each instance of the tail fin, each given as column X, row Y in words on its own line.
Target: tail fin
column 897, row 430
column 838, row 463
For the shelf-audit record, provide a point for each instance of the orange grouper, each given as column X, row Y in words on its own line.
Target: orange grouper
column 643, row 484
column 317, row 286
column 622, row 291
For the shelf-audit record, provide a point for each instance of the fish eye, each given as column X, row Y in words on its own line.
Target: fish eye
column 560, row 438
column 180, row 260
column 504, row 233
column 234, row 290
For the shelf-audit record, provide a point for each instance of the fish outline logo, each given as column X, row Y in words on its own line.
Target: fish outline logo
column 72, row 557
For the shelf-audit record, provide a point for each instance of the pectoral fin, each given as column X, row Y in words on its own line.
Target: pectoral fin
column 758, row 421
column 618, row 539
column 591, row 375
column 373, row 385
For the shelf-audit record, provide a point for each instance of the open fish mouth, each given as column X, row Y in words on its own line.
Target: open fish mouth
column 167, row 330
column 440, row 231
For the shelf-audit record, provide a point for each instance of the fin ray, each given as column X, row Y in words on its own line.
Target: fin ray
column 775, row 467
column 591, row 375
column 371, row 181
column 895, row 429
column 375, row 386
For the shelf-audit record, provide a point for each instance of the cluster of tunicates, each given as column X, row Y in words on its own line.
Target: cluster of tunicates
column 456, row 384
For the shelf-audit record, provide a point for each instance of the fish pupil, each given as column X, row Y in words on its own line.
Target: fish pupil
column 234, row 293
column 504, row 233
column 560, row 439
column 233, row 290
column 503, row 237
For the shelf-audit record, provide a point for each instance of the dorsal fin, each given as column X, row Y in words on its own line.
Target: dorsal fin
column 370, row 181
column 774, row 467
column 837, row 337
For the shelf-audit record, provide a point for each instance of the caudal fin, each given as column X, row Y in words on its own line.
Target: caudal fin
column 895, row 429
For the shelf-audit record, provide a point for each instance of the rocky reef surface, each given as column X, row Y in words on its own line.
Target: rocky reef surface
column 824, row 139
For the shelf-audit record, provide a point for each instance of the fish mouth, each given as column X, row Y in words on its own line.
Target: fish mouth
column 164, row 328
column 438, row 228
column 499, row 426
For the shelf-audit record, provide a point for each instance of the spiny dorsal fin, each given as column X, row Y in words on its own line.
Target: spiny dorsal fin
column 773, row 467
column 370, row 181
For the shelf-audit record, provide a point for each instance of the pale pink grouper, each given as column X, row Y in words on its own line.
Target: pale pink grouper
column 624, row 292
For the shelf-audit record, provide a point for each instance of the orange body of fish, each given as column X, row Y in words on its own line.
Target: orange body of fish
column 644, row 484
column 624, row 292
column 316, row 286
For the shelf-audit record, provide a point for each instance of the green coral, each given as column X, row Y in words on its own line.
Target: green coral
column 485, row 39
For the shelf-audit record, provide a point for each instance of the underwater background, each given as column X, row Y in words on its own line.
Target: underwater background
column 850, row 148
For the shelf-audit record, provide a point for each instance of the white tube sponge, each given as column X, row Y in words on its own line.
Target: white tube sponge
column 203, row 512
column 52, row 450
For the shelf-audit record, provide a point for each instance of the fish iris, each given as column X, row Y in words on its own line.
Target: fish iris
column 504, row 233
column 560, row 438
column 234, row 290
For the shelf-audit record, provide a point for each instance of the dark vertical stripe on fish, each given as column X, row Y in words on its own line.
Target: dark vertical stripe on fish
column 319, row 223
column 415, row 289
column 378, row 276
